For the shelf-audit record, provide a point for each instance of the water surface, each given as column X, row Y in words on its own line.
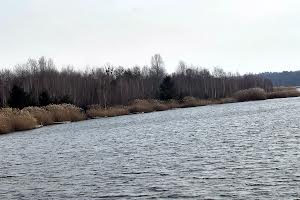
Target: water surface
column 235, row 151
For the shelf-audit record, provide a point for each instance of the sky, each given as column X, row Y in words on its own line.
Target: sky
column 237, row 35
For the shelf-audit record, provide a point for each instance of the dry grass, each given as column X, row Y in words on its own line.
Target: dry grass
column 5, row 124
column 16, row 120
column 193, row 102
column 159, row 105
column 283, row 88
column 75, row 113
column 283, row 92
column 141, row 106
column 251, row 94
column 173, row 104
column 42, row 116
column 24, row 121
column 97, row 111
column 65, row 112
column 228, row 100
column 30, row 117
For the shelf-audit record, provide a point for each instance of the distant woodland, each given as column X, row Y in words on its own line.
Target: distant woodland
column 283, row 78
column 39, row 82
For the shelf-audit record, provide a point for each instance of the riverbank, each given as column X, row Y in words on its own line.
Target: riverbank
column 12, row 119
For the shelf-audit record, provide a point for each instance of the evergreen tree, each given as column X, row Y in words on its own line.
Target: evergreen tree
column 17, row 98
column 44, row 98
column 167, row 89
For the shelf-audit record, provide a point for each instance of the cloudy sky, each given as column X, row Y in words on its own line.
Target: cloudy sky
column 238, row 35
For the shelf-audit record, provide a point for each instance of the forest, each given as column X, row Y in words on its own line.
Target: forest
column 39, row 83
column 285, row 78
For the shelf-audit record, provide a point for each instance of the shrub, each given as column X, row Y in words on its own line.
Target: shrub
column 250, row 95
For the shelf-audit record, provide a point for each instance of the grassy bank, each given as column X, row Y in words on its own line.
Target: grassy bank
column 32, row 117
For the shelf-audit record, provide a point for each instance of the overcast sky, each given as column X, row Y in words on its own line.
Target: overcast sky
column 237, row 35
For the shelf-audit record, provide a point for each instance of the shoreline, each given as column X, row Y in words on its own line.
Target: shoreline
column 29, row 118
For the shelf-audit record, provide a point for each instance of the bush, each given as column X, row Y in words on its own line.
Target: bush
column 251, row 94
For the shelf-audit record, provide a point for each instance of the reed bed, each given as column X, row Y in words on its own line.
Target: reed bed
column 32, row 117
column 65, row 113
column 12, row 119
column 16, row 120
column 96, row 111
column 251, row 94
column 43, row 116
column 283, row 92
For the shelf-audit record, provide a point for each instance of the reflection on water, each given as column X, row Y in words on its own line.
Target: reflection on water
column 235, row 151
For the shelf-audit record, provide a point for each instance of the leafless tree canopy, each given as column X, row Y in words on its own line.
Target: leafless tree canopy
column 111, row 85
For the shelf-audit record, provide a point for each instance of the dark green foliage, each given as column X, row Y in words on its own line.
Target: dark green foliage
column 19, row 98
column 44, row 98
column 65, row 99
column 167, row 89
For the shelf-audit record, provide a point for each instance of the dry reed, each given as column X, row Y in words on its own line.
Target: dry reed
column 251, row 94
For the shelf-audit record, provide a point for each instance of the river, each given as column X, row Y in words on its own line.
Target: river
column 245, row 150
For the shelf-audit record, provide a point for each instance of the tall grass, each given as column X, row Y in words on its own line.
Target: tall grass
column 16, row 120
column 65, row 112
column 283, row 92
column 42, row 116
column 141, row 106
column 5, row 124
column 96, row 111
column 30, row 117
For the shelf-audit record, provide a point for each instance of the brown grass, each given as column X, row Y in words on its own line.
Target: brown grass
column 283, row 92
column 30, row 117
column 283, row 88
column 193, row 102
column 141, row 106
column 16, row 120
column 251, row 94
column 42, row 116
column 5, row 124
column 24, row 121
column 65, row 112
column 75, row 113
column 97, row 111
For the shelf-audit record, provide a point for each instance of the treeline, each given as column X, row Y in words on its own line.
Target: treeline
column 285, row 78
column 39, row 82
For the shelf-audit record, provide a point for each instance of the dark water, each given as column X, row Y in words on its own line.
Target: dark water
column 235, row 151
